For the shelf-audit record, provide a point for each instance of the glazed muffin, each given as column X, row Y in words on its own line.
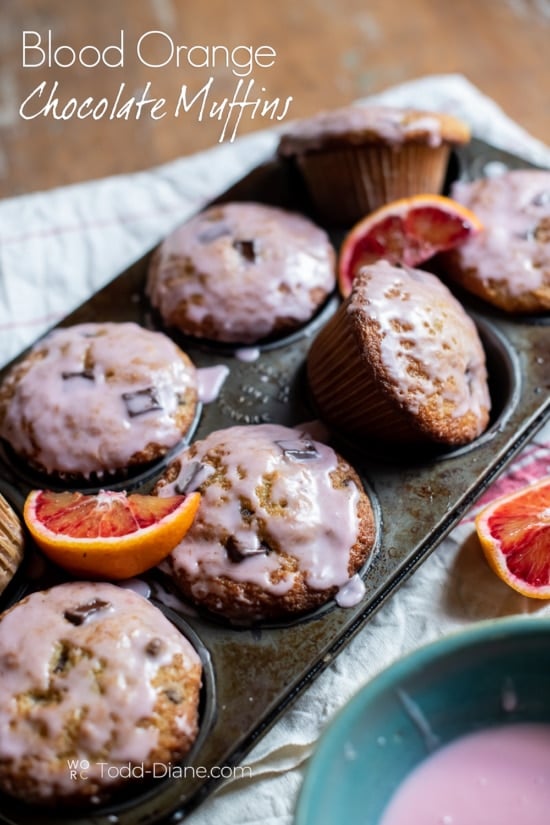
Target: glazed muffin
column 241, row 272
column 98, row 398
column 400, row 361
column 357, row 158
column 94, row 679
column 508, row 262
column 284, row 524
column 11, row 543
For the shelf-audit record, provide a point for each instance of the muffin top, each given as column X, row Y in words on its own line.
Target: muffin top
column 511, row 255
column 423, row 348
column 240, row 272
column 281, row 516
column 84, row 668
column 360, row 124
column 97, row 397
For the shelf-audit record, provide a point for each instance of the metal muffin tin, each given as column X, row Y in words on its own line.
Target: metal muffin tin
column 253, row 674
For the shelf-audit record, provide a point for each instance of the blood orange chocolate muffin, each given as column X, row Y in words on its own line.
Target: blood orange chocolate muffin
column 96, row 684
column 508, row 262
column 400, row 361
column 283, row 526
column 11, row 543
column 357, row 158
column 97, row 398
column 242, row 272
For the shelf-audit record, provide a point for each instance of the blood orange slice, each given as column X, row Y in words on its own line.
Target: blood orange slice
column 514, row 531
column 110, row 535
column 407, row 231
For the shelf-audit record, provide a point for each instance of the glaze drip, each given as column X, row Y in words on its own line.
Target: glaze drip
column 429, row 349
column 90, row 668
column 514, row 246
column 270, row 492
column 91, row 396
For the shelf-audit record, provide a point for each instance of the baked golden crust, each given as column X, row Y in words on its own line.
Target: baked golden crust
column 381, row 368
column 495, row 291
column 287, row 587
column 11, row 543
column 507, row 263
column 110, row 684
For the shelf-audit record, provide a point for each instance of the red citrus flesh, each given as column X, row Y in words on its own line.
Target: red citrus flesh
column 107, row 515
column 109, row 535
column 515, row 535
column 409, row 231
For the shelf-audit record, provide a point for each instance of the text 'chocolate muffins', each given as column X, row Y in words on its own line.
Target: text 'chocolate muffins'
column 283, row 526
column 400, row 361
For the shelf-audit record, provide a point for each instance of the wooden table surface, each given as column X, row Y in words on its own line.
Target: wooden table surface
column 324, row 53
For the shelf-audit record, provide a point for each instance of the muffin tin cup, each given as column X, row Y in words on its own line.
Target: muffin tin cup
column 378, row 429
column 245, row 352
column 120, row 807
column 133, row 478
column 258, row 671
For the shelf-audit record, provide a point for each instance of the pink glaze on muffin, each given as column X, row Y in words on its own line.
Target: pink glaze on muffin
column 284, row 523
column 241, row 272
column 402, row 361
column 360, row 124
column 91, row 675
column 96, row 398
column 508, row 262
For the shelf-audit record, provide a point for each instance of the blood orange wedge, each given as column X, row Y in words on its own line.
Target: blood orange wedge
column 514, row 531
column 407, row 231
column 110, row 535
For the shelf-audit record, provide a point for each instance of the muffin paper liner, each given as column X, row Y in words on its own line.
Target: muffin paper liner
column 10, row 559
column 11, row 544
column 345, row 389
column 346, row 184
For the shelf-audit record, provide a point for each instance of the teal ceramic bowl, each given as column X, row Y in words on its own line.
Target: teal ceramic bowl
column 493, row 673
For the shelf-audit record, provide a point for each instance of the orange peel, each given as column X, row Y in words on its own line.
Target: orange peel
column 109, row 535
